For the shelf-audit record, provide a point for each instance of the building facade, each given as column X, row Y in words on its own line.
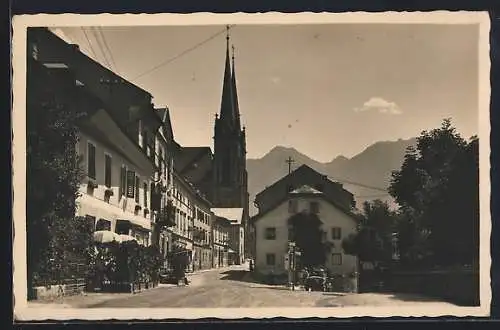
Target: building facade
column 220, row 242
column 115, row 193
column 274, row 230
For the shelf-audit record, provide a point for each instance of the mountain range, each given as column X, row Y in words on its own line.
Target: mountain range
column 366, row 175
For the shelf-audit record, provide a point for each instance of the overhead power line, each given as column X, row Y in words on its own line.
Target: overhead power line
column 107, row 47
column 358, row 184
column 101, row 48
column 170, row 60
column 88, row 41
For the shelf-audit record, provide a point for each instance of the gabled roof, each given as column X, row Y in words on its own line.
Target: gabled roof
column 291, row 195
column 164, row 114
column 304, row 177
column 297, row 172
column 305, row 189
column 186, row 157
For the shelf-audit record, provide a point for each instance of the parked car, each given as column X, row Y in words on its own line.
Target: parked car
column 316, row 280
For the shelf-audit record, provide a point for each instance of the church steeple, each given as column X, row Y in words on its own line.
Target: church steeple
column 227, row 114
column 236, row 107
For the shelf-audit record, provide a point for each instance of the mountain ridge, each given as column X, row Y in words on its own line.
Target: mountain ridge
column 371, row 167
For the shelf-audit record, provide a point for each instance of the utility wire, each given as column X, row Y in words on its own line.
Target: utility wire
column 100, row 46
column 358, row 184
column 88, row 41
column 170, row 60
column 107, row 47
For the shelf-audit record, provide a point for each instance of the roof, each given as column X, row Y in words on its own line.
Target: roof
column 164, row 114
column 327, row 198
column 305, row 189
column 52, row 37
column 186, row 156
column 304, row 176
column 233, row 214
column 195, row 164
column 193, row 188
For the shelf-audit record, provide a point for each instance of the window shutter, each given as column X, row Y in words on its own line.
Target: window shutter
column 137, row 200
column 107, row 171
column 91, row 161
column 130, row 184
column 145, row 187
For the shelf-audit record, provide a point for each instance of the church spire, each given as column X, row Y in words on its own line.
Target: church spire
column 227, row 114
column 236, row 107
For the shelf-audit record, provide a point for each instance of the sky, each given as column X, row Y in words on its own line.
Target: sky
column 325, row 90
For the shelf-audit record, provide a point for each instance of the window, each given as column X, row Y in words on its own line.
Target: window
column 137, row 189
column 314, row 207
column 293, row 206
column 270, row 233
column 107, row 170
column 270, row 259
column 91, row 160
column 123, row 180
column 336, row 233
column 103, row 224
column 145, row 188
column 337, row 259
column 91, row 221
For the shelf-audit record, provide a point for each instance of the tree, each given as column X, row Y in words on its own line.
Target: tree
column 55, row 238
column 373, row 241
column 437, row 190
column 307, row 234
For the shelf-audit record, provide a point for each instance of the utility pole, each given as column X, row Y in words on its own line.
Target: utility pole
column 289, row 161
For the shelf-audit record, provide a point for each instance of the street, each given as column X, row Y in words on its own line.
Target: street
column 234, row 287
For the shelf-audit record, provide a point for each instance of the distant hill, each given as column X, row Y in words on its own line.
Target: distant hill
column 372, row 167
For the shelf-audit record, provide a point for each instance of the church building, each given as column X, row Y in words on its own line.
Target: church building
column 222, row 175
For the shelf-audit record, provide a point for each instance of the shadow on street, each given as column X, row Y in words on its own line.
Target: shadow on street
column 238, row 275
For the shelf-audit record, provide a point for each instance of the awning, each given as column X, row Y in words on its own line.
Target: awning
column 106, row 236
column 126, row 238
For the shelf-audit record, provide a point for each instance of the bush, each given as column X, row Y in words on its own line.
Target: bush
column 127, row 262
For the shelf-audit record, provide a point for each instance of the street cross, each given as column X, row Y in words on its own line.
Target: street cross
column 289, row 161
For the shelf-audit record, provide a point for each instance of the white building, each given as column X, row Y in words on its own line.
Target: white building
column 273, row 232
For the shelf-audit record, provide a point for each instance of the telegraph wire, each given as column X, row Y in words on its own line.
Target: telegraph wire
column 100, row 46
column 181, row 54
column 107, row 47
column 359, row 184
column 88, row 41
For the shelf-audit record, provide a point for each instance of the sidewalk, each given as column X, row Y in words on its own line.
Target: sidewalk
column 92, row 298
